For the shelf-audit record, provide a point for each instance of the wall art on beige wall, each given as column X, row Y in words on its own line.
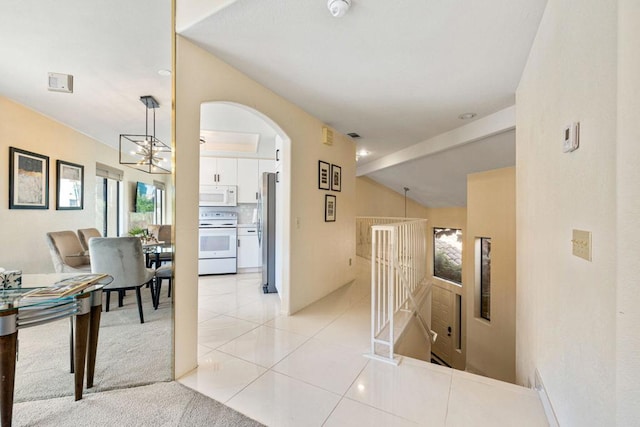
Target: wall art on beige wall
column 69, row 186
column 28, row 180
column 336, row 178
column 329, row 208
column 324, row 170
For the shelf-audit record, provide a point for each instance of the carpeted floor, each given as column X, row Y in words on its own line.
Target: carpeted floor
column 133, row 384
column 129, row 353
column 159, row 404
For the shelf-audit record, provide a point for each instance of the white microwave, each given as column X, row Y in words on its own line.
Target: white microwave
column 218, row 195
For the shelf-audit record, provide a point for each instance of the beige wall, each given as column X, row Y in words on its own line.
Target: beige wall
column 451, row 218
column 628, row 214
column 374, row 199
column 316, row 254
column 491, row 213
column 566, row 306
column 23, row 230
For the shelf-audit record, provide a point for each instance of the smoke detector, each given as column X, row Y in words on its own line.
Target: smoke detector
column 338, row 8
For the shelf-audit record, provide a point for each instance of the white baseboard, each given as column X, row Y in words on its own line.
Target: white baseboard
column 546, row 402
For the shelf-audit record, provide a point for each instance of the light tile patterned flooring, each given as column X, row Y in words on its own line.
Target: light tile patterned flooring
column 309, row 370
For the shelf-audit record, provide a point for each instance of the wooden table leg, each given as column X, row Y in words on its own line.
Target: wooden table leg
column 8, row 347
column 94, row 327
column 82, row 333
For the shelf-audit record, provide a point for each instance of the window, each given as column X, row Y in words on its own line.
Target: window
column 108, row 216
column 458, row 322
column 109, row 207
column 485, row 278
column 160, row 202
column 447, row 254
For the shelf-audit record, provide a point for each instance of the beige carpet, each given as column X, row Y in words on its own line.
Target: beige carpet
column 129, row 353
column 133, row 384
column 160, row 404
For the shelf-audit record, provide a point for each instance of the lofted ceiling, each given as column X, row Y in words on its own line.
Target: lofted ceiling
column 397, row 73
column 113, row 48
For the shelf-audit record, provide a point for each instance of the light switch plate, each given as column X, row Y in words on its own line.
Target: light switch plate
column 582, row 244
column 571, row 140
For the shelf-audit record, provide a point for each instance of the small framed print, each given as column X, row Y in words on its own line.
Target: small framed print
column 28, row 180
column 329, row 208
column 336, row 178
column 70, row 186
column 324, row 171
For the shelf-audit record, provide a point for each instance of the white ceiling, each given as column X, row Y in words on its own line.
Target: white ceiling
column 113, row 48
column 427, row 176
column 398, row 73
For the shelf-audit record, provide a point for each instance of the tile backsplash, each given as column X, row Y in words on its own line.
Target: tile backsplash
column 244, row 211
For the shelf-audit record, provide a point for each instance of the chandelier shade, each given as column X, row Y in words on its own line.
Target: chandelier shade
column 146, row 152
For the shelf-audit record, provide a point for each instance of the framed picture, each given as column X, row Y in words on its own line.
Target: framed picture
column 28, row 180
column 329, row 208
column 336, row 178
column 324, row 182
column 70, row 186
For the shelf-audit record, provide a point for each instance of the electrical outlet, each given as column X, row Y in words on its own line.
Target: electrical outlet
column 582, row 244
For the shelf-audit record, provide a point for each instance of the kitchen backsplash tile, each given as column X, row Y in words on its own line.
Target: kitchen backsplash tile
column 244, row 211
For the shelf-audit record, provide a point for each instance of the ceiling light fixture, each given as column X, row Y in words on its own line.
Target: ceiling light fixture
column 338, row 8
column 467, row 116
column 146, row 152
column 361, row 153
column 164, row 72
column 405, row 200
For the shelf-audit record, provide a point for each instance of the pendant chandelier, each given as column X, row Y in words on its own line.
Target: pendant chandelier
column 146, row 152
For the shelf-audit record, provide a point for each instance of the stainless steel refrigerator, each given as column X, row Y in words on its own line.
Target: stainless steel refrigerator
column 267, row 231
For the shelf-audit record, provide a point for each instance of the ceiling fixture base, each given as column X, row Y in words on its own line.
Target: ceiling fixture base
column 338, row 8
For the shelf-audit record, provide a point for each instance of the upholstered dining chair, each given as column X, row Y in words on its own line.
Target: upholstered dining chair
column 122, row 258
column 162, row 233
column 164, row 272
column 84, row 234
column 66, row 252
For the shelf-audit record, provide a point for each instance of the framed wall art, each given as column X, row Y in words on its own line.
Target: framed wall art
column 28, row 180
column 324, row 171
column 336, row 178
column 329, row 208
column 69, row 186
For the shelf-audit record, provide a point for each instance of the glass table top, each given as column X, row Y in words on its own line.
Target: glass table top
column 24, row 297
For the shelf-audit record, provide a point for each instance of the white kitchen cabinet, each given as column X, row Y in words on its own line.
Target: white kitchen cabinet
column 218, row 171
column 248, row 180
column 249, row 255
column 266, row 165
column 278, row 154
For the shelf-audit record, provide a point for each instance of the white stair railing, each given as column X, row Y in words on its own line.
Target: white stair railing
column 398, row 253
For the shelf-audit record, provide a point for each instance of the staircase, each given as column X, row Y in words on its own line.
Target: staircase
column 397, row 248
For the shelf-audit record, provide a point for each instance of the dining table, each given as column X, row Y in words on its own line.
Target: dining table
column 153, row 252
column 45, row 298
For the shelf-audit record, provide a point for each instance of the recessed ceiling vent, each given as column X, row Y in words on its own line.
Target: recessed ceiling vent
column 60, row 82
column 353, row 135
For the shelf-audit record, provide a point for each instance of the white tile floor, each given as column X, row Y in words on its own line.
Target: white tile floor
column 309, row 370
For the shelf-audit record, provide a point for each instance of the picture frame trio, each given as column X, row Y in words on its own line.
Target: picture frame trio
column 330, row 179
column 29, row 182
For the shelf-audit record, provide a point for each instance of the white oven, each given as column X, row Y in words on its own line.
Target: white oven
column 217, row 242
